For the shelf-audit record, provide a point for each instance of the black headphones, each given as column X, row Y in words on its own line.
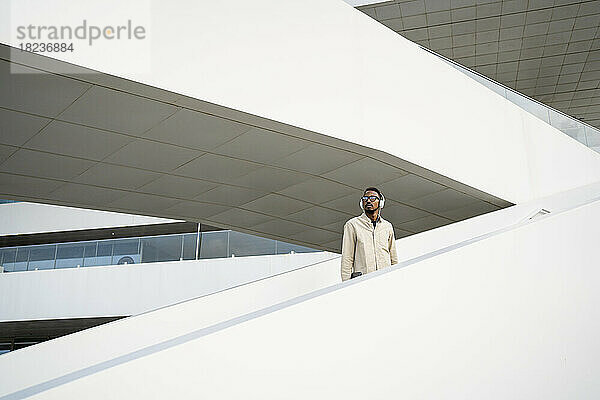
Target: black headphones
column 381, row 201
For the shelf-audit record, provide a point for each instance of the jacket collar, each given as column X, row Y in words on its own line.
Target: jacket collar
column 367, row 220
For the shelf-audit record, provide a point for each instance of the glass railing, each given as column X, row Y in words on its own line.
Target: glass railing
column 578, row 130
column 147, row 249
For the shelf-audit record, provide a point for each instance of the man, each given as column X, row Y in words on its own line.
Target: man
column 369, row 243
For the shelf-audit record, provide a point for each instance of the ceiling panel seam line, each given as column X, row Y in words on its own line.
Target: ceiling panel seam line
column 132, row 191
column 239, row 207
column 137, row 188
column 45, row 125
column 476, row 19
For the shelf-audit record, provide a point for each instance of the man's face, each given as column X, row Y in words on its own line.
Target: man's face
column 370, row 200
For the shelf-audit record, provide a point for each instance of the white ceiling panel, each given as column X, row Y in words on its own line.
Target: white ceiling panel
column 317, row 190
column 270, row 179
column 445, row 200
column 230, row 195
column 116, row 176
column 37, row 92
column 348, row 204
column 472, row 210
column 546, row 38
column 94, row 196
column 241, row 218
column 194, row 211
column 144, row 203
column 280, row 228
column 334, row 245
column 398, row 213
column 400, row 233
column 77, row 141
column 276, row 205
column 117, row 111
column 252, row 144
column 38, row 164
column 316, row 236
column 409, row 187
column 317, row 159
column 366, row 172
column 25, row 186
column 318, row 216
column 336, row 226
column 216, row 168
column 17, row 128
column 6, row 151
column 196, row 130
column 177, row 186
column 153, row 155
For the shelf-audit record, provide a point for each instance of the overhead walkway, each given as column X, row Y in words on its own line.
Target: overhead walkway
column 503, row 309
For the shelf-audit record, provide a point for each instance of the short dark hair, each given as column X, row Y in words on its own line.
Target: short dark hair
column 374, row 189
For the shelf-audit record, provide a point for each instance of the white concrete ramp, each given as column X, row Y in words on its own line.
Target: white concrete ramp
column 71, row 355
column 510, row 314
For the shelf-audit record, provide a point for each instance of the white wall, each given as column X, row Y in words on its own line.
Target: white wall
column 132, row 289
column 512, row 316
column 71, row 353
column 326, row 67
column 26, row 218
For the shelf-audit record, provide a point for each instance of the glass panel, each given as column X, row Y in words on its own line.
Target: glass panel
column 69, row 255
column 8, row 259
column 528, row 105
column 161, row 248
column 104, row 255
column 213, row 244
column 286, row 248
column 22, row 257
column 126, row 251
column 593, row 138
column 42, row 257
column 189, row 246
column 241, row 244
column 89, row 249
column 568, row 125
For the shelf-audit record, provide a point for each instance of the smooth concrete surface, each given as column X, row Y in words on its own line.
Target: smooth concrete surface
column 74, row 352
column 124, row 290
column 26, row 218
column 510, row 316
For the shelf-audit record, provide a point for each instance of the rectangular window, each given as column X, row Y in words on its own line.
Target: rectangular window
column 69, row 255
column 242, row 244
column 22, row 259
column 189, row 246
column 286, row 248
column 42, row 257
column 8, row 259
column 161, row 248
column 214, row 244
column 126, row 251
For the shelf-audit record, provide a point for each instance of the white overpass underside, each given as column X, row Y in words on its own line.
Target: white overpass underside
column 101, row 142
column 273, row 127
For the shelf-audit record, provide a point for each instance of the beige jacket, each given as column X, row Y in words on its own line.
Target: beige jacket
column 366, row 249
